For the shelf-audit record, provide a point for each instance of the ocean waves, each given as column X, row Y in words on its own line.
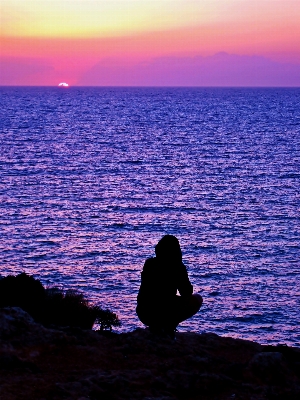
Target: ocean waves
column 91, row 178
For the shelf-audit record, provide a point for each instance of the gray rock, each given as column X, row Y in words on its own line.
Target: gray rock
column 17, row 327
column 270, row 367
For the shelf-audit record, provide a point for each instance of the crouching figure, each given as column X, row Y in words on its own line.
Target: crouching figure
column 158, row 305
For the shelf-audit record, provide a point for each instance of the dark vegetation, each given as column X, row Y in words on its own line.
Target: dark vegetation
column 53, row 306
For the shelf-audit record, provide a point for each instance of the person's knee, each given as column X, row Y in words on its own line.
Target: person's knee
column 197, row 300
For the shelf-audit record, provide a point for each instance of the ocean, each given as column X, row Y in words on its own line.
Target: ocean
column 92, row 178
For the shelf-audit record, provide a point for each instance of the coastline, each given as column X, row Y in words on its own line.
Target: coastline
column 71, row 363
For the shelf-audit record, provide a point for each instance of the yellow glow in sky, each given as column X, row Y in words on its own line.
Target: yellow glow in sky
column 111, row 18
column 87, row 18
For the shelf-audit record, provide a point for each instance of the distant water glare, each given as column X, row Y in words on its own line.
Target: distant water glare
column 91, row 178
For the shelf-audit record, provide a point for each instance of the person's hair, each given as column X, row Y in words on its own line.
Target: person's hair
column 168, row 248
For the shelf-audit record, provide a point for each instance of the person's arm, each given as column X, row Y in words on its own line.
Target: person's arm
column 185, row 287
column 146, row 281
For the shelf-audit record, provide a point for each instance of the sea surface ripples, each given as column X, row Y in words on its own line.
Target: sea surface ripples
column 91, row 178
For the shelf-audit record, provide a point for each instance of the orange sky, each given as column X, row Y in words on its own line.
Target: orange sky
column 72, row 36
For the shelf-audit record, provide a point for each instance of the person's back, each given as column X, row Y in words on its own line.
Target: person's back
column 162, row 280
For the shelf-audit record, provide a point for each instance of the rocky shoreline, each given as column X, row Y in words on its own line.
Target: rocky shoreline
column 71, row 363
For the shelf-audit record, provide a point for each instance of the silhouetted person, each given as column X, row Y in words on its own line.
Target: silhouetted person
column 158, row 305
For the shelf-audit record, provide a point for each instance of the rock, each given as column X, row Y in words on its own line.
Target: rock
column 269, row 367
column 71, row 363
column 16, row 323
column 17, row 327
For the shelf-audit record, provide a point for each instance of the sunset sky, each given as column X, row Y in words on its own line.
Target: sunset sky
column 150, row 42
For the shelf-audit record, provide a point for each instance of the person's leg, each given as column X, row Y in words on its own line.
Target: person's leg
column 168, row 315
column 188, row 306
column 181, row 309
column 145, row 315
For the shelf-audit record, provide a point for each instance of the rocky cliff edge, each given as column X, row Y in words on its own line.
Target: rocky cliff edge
column 71, row 363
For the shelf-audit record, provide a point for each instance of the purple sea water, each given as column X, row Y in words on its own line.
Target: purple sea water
column 91, row 178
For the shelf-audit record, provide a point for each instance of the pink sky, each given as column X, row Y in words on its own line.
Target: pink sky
column 142, row 42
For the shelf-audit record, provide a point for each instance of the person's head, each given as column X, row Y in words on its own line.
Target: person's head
column 168, row 248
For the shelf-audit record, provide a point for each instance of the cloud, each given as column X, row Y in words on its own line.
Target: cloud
column 24, row 71
column 221, row 69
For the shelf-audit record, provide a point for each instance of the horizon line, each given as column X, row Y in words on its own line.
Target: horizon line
column 159, row 86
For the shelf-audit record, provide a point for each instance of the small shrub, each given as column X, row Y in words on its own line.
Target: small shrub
column 53, row 306
column 106, row 319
